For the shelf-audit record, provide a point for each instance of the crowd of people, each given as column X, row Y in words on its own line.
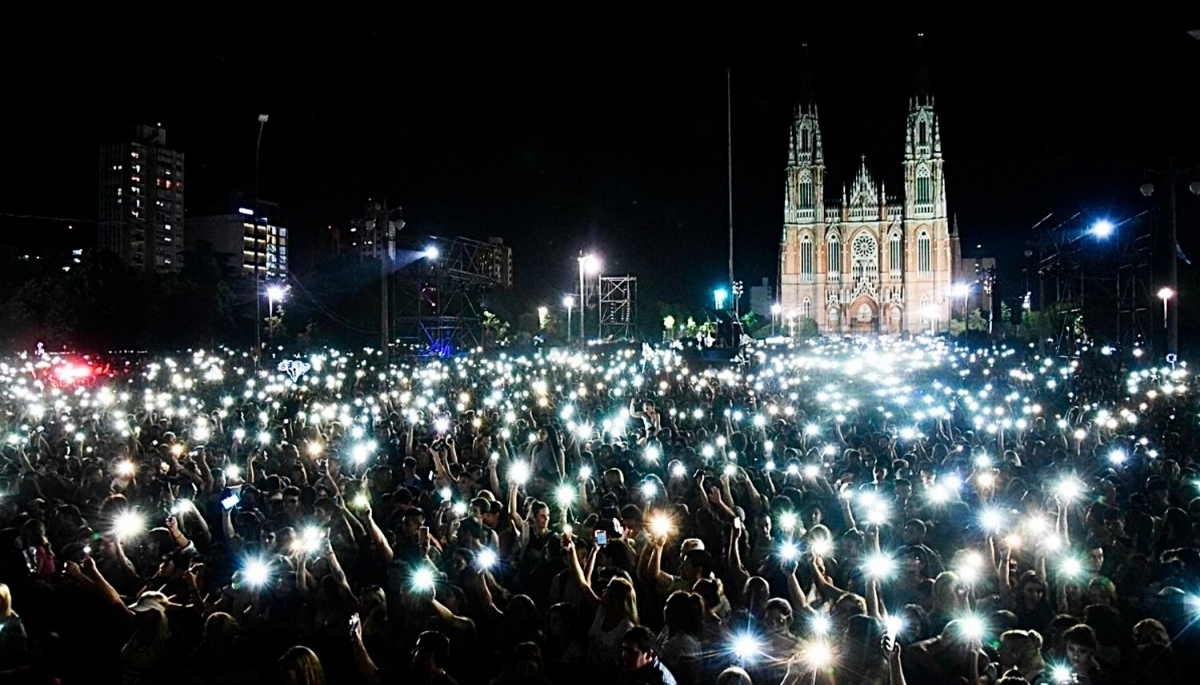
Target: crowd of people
column 836, row 511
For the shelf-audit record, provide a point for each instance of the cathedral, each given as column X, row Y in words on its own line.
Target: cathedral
column 868, row 262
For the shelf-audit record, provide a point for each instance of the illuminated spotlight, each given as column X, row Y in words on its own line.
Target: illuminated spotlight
column 518, row 472
column 895, row 625
column 972, row 627
column 1072, row 567
column 423, row 579
column 879, row 566
column 256, row 573
column 486, row 558
column 746, row 646
column 128, row 524
column 991, row 520
column 788, row 521
column 818, row 655
column 661, row 526
column 1103, row 228
column 564, row 495
column 431, row 252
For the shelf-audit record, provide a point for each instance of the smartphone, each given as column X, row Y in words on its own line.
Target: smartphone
column 231, row 501
column 601, row 538
column 355, row 622
column 423, row 536
column 737, row 523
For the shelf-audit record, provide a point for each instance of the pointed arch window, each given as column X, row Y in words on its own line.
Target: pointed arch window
column 925, row 309
column 804, row 140
column 924, row 254
column 924, row 186
column 807, row 263
column 895, row 255
column 806, row 309
column 922, row 134
column 835, row 257
column 806, row 189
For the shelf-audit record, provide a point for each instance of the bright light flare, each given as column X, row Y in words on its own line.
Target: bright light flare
column 486, row 559
column 746, row 646
column 129, row 524
column 423, row 579
column 661, row 526
column 256, row 573
column 518, row 472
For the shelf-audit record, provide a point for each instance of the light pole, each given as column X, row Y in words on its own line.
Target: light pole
column 775, row 310
column 262, row 123
column 1165, row 294
column 962, row 291
column 569, row 303
column 1171, row 177
column 591, row 264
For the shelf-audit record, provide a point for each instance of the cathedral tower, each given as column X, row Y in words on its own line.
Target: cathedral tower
column 866, row 262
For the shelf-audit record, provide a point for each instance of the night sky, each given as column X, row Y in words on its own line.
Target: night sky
column 613, row 140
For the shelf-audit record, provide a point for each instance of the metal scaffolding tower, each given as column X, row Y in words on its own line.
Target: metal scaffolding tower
column 618, row 307
column 445, row 293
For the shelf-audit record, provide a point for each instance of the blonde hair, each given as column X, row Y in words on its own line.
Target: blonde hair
column 625, row 596
column 945, row 598
column 302, row 663
column 1027, row 648
column 5, row 601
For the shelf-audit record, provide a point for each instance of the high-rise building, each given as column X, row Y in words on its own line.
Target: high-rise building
column 141, row 200
column 868, row 262
column 253, row 242
column 499, row 262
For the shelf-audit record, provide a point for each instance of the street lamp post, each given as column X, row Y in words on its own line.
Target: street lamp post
column 569, row 303
column 590, row 264
column 1165, row 294
column 262, row 123
column 1170, row 178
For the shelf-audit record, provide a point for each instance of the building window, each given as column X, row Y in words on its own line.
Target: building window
column 835, row 256
column 864, row 262
column 806, row 190
column 804, row 140
column 806, row 259
column 924, row 309
column 924, row 190
column 922, row 136
column 806, row 309
column 924, row 254
column 895, row 255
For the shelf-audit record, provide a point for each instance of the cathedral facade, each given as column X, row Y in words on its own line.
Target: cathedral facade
column 867, row 262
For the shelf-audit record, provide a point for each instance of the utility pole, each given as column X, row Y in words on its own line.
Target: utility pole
column 258, row 284
column 384, row 232
column 729, row 160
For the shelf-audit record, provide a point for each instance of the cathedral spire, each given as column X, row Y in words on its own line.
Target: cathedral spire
column 922, row 92
column 806, row 98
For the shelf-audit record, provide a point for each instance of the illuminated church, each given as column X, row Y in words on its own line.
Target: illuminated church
column 867, row 262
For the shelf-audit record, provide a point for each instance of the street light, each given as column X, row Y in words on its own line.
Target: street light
column 1165, row 294
column 719, row 296
column 1171, row 176
column 431, row 253
column 590, row 264
column 569, row 303
column 275, row 293
column 1103, row 229
column 775, row 311
column 543, row 314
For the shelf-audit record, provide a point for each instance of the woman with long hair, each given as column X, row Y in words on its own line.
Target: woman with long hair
column 14, row 644
column 300, row 666
column 616, row 613
column 1021, row 650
